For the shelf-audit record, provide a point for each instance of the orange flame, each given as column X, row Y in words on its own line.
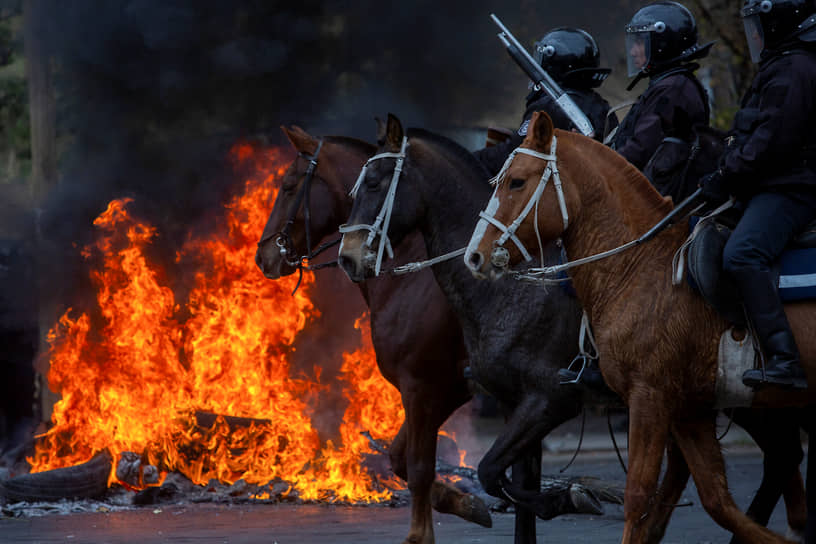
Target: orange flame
column 133, row 378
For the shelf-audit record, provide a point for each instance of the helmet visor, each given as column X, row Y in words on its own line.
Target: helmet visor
column 755, row 36
column 638, row 51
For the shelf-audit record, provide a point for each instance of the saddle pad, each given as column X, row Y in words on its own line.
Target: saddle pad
column 734, row 358
column 797, row 274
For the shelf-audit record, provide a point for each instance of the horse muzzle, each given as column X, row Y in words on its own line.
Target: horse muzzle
column 493, row 269
column 355, row 258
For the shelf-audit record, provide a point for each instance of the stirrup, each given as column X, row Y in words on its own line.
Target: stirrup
column 566, row 374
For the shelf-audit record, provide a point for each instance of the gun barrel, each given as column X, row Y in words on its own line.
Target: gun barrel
column 540, row 77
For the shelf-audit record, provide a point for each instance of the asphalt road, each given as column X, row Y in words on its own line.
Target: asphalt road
column 289, row 524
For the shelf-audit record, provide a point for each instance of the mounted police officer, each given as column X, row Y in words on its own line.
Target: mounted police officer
column 657, row 133
column 572, row 58
column 770, row 167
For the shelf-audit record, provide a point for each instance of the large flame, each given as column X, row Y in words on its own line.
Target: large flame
column 134, row 377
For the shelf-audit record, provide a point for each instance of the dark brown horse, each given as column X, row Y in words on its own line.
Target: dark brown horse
column 416, row 338
column 658, row 342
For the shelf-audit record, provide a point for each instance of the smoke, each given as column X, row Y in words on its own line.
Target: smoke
column 151, row 95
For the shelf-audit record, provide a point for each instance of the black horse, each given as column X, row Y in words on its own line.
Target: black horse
column 518, row 335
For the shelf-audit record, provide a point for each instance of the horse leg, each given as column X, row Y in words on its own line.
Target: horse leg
column 674, row 482
column 648, row 432
column 810, row 528
column 533, row 418
column 796, row 506
column 698, row 441
column 528, row 424
column 426, row 409
column 527, row 475
column 778, row 437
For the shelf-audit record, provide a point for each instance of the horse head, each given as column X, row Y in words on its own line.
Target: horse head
column 530, row 207
column 375, row 223
column 312, row 200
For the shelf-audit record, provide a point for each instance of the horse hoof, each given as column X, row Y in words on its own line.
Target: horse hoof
column 475, row 510
column 584, row 500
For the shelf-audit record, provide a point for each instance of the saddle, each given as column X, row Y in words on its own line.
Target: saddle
column 795, row 271
column 796, row 276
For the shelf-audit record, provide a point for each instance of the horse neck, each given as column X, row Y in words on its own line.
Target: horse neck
column 344, row 162
column 616, row 208
column 452, row 193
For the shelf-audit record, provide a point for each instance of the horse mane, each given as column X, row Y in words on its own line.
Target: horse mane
column 452, row 147
column 630, row 177
column 360, row 145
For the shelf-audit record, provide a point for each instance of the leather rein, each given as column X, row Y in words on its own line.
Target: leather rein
column 283, row 238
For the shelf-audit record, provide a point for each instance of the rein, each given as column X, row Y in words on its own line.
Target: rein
column 284, row 240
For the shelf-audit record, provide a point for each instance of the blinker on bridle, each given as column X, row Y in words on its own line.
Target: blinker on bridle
column 283, row 238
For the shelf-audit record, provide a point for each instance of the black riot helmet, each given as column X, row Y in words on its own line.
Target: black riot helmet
column 571, row 57
column 769, row 23
column 661, row 35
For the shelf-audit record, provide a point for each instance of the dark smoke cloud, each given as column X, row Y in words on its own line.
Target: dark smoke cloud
column 151, row 94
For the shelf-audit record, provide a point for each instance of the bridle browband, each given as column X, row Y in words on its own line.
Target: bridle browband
column 381, row 223
column 283, row 238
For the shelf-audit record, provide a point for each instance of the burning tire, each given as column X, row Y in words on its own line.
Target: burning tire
column 83, row 481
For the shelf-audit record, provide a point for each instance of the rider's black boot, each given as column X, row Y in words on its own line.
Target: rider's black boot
column 590, row 376
column 765, row 311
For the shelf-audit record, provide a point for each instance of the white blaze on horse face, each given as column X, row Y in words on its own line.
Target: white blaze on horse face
column 479, row 231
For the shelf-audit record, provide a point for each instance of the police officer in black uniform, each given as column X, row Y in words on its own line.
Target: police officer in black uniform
column 770, row 167
column 656, row 134
column 572, row 58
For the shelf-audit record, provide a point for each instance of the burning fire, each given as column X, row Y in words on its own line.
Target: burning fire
column 134, row 377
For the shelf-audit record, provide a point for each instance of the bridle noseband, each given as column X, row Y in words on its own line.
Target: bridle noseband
column 381, row 223
column 283, row 238
column 500, row 257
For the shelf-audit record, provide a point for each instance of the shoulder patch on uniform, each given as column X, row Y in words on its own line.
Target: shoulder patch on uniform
column 522, row 130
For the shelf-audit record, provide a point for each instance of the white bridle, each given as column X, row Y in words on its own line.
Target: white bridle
column 383, row 219
column 500, row 255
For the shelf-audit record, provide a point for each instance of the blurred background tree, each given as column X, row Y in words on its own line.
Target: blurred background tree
column 729, row 70
column 15, row 151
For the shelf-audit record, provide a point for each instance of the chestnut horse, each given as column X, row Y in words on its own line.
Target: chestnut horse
column 415, row 335
column 657, row 342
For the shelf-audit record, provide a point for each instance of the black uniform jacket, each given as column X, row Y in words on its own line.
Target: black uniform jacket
column 774, row 133
column 672, row 104
column 590, row 102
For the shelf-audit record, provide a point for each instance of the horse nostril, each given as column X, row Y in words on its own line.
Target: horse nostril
column 476, row 260
column 259, row 259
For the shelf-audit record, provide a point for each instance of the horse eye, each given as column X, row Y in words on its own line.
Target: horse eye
column 288, row 187
column 517, row 183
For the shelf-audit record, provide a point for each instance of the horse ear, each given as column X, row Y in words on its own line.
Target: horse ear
column 300, row 139
column 393, row 132
column 381, row 127
column 540, row 130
